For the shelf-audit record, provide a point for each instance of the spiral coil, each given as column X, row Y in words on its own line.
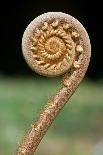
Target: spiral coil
column 54, row 46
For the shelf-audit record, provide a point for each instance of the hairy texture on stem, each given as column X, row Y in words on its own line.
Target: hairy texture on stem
column 54, row 43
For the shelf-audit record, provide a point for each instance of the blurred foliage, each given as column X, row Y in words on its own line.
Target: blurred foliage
column 75, row 131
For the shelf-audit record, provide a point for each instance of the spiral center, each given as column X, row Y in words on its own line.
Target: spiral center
column 54, row 45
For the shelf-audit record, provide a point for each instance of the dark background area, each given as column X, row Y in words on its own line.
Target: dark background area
column 16, row 15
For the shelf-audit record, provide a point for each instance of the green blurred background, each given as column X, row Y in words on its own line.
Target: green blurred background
column 75, row 131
